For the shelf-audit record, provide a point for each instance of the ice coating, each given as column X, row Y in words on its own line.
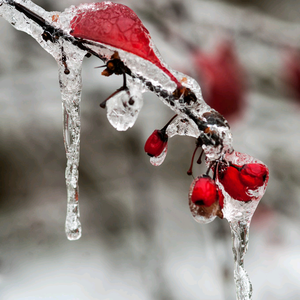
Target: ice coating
column 182, row 126
column 158, row 160
column 239, row 215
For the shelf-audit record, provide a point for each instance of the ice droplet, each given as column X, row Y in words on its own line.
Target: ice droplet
column 158, row 160
column 123, row 108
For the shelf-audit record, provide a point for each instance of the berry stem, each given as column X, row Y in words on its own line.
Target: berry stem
column 166, row 126
column 208, row 169
column 199, row 160
column 190, row 170
column 103, row 104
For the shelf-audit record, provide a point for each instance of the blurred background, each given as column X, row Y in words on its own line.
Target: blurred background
column 139, row 239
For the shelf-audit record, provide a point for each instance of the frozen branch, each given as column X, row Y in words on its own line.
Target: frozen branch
column 125, row 46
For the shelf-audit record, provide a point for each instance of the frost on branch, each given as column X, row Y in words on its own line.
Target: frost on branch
column 113, row 33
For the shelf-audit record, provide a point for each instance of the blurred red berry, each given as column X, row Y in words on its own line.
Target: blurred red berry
column 205, row 192
column 156, row 143
column 291, row 72
column 222, row 79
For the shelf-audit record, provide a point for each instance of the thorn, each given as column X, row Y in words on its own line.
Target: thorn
column 100, row 67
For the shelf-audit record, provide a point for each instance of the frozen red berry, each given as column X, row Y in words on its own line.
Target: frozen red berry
column 156, row 143
column 238, row 180
column 205, row 191
column 229, row 177
column 204, row 200
column 115, row 25
column 253, row 175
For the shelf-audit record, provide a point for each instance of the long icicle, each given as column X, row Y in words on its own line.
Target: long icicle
column 71, row 85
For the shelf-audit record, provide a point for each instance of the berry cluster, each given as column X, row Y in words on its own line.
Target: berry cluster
column 241, row 183
column 206, row 196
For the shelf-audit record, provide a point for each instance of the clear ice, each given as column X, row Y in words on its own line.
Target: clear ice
column 122, row 112
column 158, row 160
column 124, row 106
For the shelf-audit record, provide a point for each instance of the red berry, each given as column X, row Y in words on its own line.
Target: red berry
column 291, row 72
column 229, row 177
column 118, row 26
column 156, row 143
column 253, row 175
column 237, row 180
column 204, row 192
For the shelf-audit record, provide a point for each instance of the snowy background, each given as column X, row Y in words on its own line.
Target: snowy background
column 139, row 240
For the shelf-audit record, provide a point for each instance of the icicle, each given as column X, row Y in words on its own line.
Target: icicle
column 70, row 85
column 240, row 239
